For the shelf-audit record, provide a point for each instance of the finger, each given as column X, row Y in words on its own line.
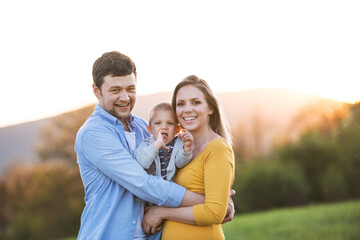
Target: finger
column 183, row 130
column 146, row 209
column 159, row 228
column 226, row 219
column 187, row 138
column 147, row 229
column 232, row 193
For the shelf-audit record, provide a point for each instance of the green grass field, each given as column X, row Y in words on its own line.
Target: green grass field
column 340, row 221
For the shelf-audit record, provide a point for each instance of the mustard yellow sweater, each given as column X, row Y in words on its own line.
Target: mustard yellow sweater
column 211, row 173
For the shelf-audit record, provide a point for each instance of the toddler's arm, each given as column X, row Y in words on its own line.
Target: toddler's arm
column 184, row 155
column 145, row 154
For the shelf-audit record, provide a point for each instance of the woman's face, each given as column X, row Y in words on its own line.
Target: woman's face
column 192, row 110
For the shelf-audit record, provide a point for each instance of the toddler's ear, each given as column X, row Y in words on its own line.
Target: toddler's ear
column 178, row 129
column 148, row 128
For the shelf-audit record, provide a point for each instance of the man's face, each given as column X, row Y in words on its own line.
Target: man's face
column 117, row 95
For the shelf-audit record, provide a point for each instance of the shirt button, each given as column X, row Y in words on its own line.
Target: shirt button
column 133, row 222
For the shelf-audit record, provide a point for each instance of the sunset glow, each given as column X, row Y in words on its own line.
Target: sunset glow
column 48, row 48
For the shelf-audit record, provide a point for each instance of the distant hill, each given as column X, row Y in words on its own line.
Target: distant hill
column 275, row 106
column 17, row 141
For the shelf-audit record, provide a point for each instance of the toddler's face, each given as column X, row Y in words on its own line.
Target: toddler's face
column 165, row 121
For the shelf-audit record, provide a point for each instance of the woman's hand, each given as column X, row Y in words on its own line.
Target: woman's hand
column 152, row 221
column 231, row 208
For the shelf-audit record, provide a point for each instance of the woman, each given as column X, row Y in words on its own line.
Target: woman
column 211, row 172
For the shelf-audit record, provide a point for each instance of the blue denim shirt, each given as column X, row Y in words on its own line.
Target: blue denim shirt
column 114, row 180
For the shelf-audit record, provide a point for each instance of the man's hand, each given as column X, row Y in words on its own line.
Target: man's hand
column 231, row 208
column 152, row 221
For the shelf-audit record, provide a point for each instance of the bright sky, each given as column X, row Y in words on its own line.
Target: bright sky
column 47, row 48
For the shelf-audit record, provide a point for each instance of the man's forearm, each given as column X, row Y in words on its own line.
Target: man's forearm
column 191, row 199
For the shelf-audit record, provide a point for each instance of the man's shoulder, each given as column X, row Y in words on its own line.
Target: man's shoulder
column 139, row 120
column 94, row 123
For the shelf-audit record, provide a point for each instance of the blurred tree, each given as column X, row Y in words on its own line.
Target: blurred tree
column 253, row 138
column 348, row 139
column 58, row 137
column 321, row 117
column 42, row 201
column 3, row 220
column 314, row 155
column 262, row 185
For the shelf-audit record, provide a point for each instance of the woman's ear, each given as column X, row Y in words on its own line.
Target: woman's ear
column 211, row 111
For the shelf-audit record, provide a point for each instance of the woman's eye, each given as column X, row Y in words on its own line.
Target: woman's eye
column 196, row 103
column 179, row 104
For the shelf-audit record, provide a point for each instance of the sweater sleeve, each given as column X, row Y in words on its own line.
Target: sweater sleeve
column 218, row 179
column 145, row 154
column 181, row 157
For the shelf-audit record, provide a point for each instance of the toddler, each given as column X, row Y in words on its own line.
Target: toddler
column 168, row 148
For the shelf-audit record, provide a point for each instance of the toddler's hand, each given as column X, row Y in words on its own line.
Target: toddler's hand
column 187, row 138
column 159, row 142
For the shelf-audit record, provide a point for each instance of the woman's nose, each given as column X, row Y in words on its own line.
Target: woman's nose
column 188, row 108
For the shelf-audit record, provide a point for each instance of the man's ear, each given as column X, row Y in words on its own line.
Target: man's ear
column 96, row 91
column 148, row 128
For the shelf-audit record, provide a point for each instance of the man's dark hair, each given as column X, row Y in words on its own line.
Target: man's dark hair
column 113, row 63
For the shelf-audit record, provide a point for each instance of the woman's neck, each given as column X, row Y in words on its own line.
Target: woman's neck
column 201, row 138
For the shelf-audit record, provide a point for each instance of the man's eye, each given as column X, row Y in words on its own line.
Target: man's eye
column 115, row 90
column 157, row 123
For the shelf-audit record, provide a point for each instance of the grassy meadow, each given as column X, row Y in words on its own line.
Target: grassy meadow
column 337, row 221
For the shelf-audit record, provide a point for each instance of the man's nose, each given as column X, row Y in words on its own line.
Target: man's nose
column 124, row 96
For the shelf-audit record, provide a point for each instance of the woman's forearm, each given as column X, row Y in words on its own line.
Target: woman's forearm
column 191, row 199
column 183, row 214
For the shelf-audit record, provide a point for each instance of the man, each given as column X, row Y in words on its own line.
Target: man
column 115, row 184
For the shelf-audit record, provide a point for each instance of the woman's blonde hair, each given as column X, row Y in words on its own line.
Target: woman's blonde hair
column 218, row 122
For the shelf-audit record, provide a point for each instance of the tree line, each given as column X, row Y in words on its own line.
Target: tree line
column 318, row 161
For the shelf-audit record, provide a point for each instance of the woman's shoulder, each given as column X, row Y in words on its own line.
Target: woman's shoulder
column 218, row 142
column 219, row 150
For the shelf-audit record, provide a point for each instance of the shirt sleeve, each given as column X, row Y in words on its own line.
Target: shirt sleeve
column 218, row 179
column 101, row 146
